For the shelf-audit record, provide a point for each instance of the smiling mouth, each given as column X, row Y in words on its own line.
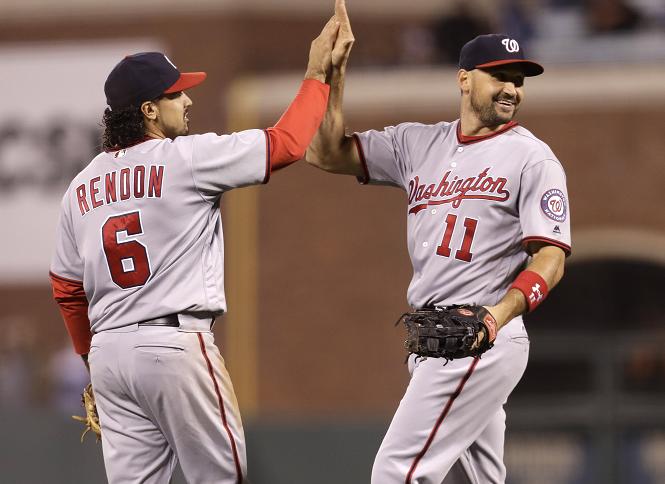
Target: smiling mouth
column 505, row 102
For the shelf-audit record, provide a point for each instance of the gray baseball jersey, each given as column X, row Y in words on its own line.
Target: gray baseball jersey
column 141, row 227
column 472, row 206
column 474, row 203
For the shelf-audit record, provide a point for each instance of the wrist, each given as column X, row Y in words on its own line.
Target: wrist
column 315, row 74
column 84, row 357
column 500, row 314
column 532, row 286
column 511, row 306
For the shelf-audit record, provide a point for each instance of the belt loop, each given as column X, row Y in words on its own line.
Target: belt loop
column 196, row 322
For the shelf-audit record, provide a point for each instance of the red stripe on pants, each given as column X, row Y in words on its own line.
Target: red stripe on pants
column 439, row 421
column 221, row 409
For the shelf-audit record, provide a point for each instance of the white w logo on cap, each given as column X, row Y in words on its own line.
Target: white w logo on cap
column 511, row 45
column 169, row 61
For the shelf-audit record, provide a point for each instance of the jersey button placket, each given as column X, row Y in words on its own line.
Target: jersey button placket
column 459, row 149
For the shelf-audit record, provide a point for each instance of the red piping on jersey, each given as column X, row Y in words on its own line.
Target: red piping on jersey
column 556, row 243
column 268, row 169
column 222, row 412
column 443, row 415
column 363, row 161
column 463, row 139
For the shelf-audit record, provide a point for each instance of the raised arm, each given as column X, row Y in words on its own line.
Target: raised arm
column 289, row 137
column 528, row 290
column 331, row 149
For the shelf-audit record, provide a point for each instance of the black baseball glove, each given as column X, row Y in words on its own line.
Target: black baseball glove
column 450, row 332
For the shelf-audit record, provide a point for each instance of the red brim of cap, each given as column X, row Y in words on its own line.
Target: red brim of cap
column 187, row 80
column 529, row 68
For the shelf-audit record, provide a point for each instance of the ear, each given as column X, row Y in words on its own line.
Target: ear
column 464, row 81
column 150, row 110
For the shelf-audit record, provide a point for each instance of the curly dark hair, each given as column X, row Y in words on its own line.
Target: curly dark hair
column 122, row 127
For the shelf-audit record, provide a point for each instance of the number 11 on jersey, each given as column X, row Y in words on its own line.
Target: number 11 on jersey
column 464, row 252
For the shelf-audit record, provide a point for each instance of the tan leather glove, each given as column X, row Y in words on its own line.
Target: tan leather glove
column 90, row 419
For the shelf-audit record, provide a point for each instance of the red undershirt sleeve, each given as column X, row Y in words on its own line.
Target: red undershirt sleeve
column 292, row 134
column 73, row 305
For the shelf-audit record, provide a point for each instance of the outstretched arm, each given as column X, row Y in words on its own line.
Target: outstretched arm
column 547, row 263
column 289, row 137
column 331, row 149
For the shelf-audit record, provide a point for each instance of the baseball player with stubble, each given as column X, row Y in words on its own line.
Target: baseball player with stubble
column 488, row 225
column 138, row 266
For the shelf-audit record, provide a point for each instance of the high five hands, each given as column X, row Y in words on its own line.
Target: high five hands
column 345, row 38
column 330, row 51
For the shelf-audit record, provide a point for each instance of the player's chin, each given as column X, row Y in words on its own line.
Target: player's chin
column 505, row 116
column 174, row 131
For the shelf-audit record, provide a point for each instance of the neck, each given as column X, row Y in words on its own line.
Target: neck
column 471, row 125
column 153, row 131
column 156, row 134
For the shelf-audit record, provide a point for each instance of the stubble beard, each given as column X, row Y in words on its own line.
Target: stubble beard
column 487, row 112
column 178, row 131
column 185, row 126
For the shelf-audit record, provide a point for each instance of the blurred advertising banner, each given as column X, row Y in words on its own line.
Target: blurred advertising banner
column 53, row 101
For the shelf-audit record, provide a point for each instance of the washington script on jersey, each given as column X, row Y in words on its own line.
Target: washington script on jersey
column 136, row 182
column 479, row 187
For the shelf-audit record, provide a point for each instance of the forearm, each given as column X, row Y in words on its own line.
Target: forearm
column 289, row 138
column 331, row 149
column 548, row 263
column 73, row 305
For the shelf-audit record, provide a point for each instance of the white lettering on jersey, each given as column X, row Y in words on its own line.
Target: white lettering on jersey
column 120, row 185
column 481, row 187
column 511, row 45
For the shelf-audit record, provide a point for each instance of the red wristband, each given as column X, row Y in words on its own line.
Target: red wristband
column 533, row 286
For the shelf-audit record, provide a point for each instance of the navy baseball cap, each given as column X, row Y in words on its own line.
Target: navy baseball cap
column 145, row 76
column 496, row 50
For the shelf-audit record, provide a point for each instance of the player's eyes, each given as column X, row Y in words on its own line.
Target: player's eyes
column 173, row 95
column 503, row 77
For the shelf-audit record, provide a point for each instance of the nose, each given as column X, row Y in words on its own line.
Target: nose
column 188, row 101
column 510, row 89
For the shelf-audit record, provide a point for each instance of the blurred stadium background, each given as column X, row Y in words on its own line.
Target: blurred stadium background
column 317, row 266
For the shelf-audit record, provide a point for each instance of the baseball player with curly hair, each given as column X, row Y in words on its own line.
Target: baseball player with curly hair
column 138, row 266
column 487, row 225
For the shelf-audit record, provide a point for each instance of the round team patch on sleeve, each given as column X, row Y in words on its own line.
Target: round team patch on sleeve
column 553, row 204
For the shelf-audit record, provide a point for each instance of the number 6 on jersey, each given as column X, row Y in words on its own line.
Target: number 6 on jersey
column 128, row 261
